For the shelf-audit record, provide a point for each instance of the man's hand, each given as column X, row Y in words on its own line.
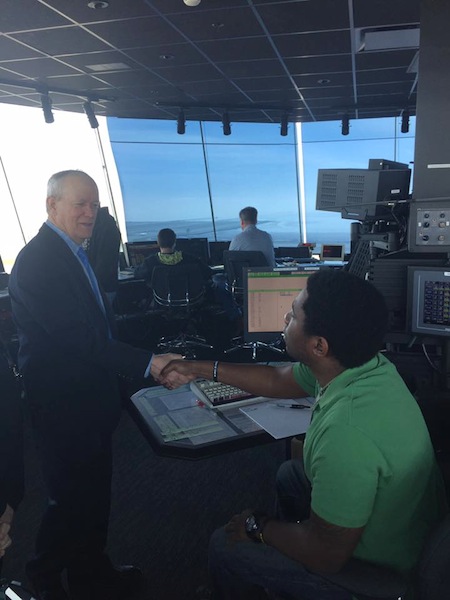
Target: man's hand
column 5, row 525
column 235, row 528
column 178, row 372
column 160, row 361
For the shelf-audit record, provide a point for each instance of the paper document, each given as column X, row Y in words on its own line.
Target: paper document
column 278, row 417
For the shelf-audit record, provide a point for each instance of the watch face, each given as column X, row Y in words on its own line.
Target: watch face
column 251, row 524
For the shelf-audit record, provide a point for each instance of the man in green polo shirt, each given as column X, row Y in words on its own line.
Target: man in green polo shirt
column 369, row 487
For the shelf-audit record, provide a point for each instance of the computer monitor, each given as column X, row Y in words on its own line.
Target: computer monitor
column 294, row 252
column 429, row 300
column 216, row 250
column 268, row 296
column 198, row 247
column 361, row 193
column 332, row 252
column 139, row 251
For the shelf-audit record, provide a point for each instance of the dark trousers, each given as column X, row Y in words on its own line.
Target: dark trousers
column 245, row 570
column 77, row 471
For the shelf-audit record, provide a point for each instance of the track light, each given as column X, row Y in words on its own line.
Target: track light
column 226, row 124
column 345, row 128
column 46, row 103
column 284, row 125
column 405, row 121
column 181, row 122
column 90, row 114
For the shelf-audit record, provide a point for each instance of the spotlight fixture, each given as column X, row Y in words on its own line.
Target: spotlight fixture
column 284, row 125
column 181, row 122
column 405, row 121
column 46, row 103
column 226, row 124
column 345, row 128
column 90, row 114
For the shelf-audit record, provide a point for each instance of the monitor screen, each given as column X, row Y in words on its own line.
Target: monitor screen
column 295, row 252
column 429, row 300
column 198, row 247
column 268, row 296
column 332, row 252
column 216, row 250
column 139, row 251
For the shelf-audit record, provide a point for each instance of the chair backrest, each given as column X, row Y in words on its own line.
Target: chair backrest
column 434, row 566
column 180, row 285
column 234, row 262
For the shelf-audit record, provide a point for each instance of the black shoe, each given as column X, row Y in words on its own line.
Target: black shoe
column 125, row 575
column 45, row 587
column 113, row 583
column 52, row 595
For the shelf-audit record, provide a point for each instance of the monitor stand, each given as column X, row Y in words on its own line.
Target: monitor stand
column 254, row 346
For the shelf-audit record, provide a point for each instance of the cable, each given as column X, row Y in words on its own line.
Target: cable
column 427, row 356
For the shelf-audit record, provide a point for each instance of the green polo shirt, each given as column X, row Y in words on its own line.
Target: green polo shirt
column 370, row 461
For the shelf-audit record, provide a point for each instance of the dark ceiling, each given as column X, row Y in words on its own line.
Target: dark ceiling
column 314, row 59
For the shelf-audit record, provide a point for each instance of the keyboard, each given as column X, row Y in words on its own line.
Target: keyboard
column 220, row 395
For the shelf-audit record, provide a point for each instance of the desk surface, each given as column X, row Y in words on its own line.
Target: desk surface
column 176, row 426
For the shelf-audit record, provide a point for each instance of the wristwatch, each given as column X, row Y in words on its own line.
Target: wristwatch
column 254, row 525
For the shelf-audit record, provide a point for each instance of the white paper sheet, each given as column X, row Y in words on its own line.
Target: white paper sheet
column 278, row 419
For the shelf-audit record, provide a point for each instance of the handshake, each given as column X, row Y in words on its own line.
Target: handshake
column 171, row 370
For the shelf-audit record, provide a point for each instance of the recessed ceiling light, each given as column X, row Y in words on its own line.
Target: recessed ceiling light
column 166, row 56
column 98, row 4
column 192, row 2
column 217, row 25
column 323, row 81
column 108, row 67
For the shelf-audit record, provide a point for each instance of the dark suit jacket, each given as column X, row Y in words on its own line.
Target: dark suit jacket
column 67, row 357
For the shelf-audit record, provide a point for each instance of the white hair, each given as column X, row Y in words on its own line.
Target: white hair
column 55, row 183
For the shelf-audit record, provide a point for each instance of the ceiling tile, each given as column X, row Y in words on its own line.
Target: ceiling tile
column 385, row 12
column 220, row 24
column 292, row 17
column 12, row 50
column 80, row 12
column 178, row 54
column 313, row 44
column 135, row 33
column 252, row 68
column 243, row 48
column 58, row 40
column 38, row 68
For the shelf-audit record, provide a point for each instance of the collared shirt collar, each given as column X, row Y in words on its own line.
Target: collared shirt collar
column 72, row 245
column 341, row 381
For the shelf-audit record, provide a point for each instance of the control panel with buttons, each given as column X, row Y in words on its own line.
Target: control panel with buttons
column 429, row 226
column 433, row 227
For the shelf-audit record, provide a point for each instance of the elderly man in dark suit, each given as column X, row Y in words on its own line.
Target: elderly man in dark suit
column 70, row 362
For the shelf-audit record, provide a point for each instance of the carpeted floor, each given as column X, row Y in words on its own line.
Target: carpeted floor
column 163, row 511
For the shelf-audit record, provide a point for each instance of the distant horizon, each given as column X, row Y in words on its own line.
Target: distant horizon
column 226, row 229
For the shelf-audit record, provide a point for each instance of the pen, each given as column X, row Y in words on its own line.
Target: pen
column 293, row 405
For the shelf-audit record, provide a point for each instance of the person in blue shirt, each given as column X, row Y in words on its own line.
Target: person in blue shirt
column 252, row 238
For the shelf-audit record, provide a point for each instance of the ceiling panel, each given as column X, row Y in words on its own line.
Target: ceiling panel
column 258, row 58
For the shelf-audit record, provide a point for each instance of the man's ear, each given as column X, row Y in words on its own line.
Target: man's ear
column 320, row 347
column 50, row 202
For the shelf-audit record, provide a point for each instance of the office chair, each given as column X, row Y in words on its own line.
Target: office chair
column 234, row 262
column 431, row 580
column 180, row 290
